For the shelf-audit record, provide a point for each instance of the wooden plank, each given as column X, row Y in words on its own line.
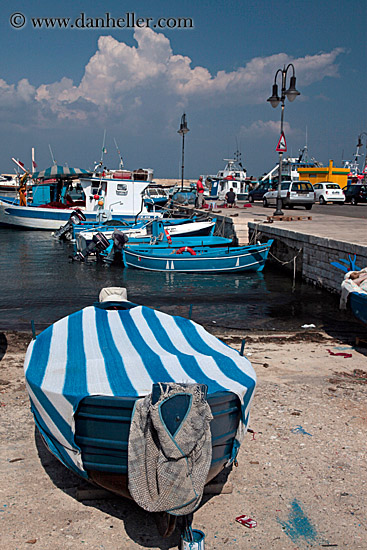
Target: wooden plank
column 96, row 493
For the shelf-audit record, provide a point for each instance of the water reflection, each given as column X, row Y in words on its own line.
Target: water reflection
column 39, row 282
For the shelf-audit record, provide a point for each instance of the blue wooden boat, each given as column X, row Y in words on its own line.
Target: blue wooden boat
column 358, row 304
column 197, row 259
column 354, row 288
column 157, row 235
column 86, row 372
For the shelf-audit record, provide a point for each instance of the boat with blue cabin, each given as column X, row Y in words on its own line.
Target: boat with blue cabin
column 108, row 195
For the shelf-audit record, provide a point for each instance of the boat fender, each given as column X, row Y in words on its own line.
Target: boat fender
column 186, row 249
column 168, row 236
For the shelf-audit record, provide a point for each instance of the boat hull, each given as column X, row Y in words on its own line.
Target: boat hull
column 358, row 304
column 28, row 217
column 102, row 432
column 199, row 259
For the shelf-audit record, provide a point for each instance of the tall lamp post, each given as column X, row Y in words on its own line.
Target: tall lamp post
column 274, row 100
column 182, row 131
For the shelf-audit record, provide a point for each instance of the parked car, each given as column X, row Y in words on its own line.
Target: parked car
column 293, row 193
column 326, row 191
column 355, row 193
column 259, row 191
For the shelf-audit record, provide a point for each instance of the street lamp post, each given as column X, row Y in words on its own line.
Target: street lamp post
column 274, row 100
column 182, row 131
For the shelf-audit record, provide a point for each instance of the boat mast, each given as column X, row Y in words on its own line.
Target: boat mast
column 52, row 155
column 34, row 165
column 104, row 150
column 121, row 163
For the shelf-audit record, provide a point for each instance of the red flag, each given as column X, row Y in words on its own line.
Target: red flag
column 34, row 164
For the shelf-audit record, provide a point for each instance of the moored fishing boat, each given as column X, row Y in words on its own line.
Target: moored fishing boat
column 92, row 375
column 9, row 182
column 155, row 196
column 113, row 195
column 150, row 232
column 197, row 259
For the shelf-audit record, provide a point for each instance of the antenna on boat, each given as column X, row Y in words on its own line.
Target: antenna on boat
column 104, row 150
column 121, row 163
column 52, row 155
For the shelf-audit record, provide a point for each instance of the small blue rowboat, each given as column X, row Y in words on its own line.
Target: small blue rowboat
column 197, row 259
column 86, row 373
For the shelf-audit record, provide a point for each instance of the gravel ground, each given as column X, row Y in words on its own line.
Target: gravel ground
column 301, row 472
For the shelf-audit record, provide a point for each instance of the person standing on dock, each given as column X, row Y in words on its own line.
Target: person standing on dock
column 230, row 197
column 200, row 192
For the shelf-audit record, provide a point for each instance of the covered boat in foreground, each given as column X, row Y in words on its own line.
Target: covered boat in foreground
column 93, row 374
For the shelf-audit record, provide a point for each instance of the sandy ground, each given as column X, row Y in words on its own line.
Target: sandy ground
column 301, row 475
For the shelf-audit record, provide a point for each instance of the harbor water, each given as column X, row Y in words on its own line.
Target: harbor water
column 39, row 283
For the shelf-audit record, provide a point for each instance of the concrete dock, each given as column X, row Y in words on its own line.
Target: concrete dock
column 305, row 242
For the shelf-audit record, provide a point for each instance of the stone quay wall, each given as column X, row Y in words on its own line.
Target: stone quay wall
column 308, row 255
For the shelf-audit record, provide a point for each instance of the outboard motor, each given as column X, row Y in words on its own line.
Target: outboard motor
column 65, row 232
column 119, row 239
column 99, row 244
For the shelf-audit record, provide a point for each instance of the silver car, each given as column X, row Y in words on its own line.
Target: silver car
column 326, row 191
column 293, row 193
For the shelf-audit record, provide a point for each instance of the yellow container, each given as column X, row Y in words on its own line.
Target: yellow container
column 325, row 173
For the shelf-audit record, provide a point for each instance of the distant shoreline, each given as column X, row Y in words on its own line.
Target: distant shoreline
column 168, row 182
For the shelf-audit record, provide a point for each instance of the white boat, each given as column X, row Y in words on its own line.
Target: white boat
column 233, row 176
column 290, row 167
column 155, row 196
column 112, row 195
column 9, row 182
column 150, row 230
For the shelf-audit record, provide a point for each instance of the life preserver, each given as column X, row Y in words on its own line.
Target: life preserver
column 168, row 236
column 186, row 249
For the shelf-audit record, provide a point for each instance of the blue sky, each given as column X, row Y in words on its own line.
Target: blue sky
column 64, row 87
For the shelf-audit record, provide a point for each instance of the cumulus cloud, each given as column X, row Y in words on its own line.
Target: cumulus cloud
column 130, row 81
column 261, row 128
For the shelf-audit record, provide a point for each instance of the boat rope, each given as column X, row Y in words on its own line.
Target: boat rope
column 288, row 262
column 255, row 235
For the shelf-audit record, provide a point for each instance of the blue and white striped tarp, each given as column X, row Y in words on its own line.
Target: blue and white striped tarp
column 58, row 171
column 123, row 353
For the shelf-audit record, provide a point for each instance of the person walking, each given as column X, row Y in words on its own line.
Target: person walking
column 200, row 192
